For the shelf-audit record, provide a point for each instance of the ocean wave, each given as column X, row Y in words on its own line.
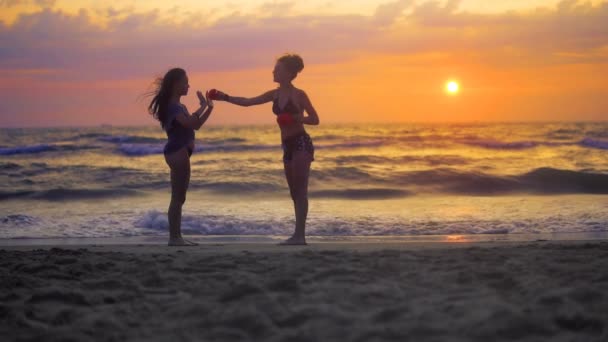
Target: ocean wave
column 156, row 222
column 42, row 176
column 564, row 134
column 9, row 166
column 419, row 138
column 7, row 195
column 550, row 181
column 61, row 194
column 495, row 144
column 539, row 181
column 148, row 149
column 7, row 151
column 351, row 144
column 378, row 160
column 598, row 133
column 140, row 149
column 566, row 131
column 447, row 180
column 210, row 225
column 341, row 182
column 379, row 139
column 130, row 139
column 365, row 158
column 143, row 149
column 150, row 219
column 328, row 137
column 258, row 147
column 41, row 148
column 236, row 148
column 344, row 173
column 452, row 181
column 19, row 220
column 89, row 136
column 361, row 194
column 595, row 143
column 224, row 141
column 239, row 187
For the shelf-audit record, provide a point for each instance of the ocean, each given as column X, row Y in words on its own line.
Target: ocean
column 368, row 180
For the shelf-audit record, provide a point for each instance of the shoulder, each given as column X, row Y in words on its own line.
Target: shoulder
column 176, row 108
column 271, row 94
column 300, row 95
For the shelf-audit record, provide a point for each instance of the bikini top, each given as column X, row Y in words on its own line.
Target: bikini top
column 289, row 107
column 284, row 116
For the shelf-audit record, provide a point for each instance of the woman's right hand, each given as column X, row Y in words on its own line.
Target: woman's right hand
column 215, row 94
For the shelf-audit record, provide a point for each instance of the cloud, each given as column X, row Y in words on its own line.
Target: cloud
column 386, row 14
column 39, row 3
column 541, row 36
column 276, row 8
column 133, row 44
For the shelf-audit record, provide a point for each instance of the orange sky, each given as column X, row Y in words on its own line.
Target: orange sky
column 63, row 64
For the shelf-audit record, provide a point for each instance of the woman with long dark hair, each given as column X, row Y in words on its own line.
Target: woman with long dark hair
column 289, row 104
column 179, row 126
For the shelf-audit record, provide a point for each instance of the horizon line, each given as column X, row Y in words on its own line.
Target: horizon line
column 337, row 123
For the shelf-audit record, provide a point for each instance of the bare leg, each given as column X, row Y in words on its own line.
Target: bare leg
column 297, row 172
column 179, row 162
column 289, row 175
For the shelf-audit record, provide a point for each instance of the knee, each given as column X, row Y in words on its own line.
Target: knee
column 299, row 196
column 178, row 200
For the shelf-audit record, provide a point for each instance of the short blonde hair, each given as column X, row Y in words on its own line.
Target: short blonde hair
column 292, row 62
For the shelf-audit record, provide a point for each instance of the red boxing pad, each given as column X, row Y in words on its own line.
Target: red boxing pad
column 215, row 94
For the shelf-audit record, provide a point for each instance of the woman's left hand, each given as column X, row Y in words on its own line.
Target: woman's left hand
column 209, row 100
column 201, row 98
column 299, row 118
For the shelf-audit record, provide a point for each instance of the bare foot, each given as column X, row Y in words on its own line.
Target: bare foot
column 181, row 242
column 294, row 241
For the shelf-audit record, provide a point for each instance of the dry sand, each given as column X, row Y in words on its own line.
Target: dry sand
column 526, row 291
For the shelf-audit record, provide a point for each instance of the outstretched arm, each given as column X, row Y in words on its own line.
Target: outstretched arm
column 250, row 101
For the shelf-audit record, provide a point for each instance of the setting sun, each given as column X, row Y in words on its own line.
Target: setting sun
column 452, row 87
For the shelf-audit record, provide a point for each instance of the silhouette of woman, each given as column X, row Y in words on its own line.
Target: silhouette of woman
column 289, row 104
column 179, row 126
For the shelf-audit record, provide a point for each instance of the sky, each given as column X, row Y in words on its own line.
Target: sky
column 87, row 63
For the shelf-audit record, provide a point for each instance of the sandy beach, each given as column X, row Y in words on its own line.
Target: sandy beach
column 483, row 291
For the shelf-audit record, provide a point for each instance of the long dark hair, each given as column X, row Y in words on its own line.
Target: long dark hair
column 162, row 94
